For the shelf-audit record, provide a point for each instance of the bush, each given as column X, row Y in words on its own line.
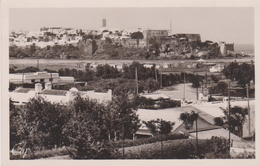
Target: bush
column 128, row 143
column 179, row 149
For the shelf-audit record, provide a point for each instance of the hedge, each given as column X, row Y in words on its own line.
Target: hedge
column 141, row 141
column 178, row 149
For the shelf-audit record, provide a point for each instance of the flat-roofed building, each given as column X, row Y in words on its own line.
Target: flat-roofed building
column 42, row 77
column 21, row 95
column 154, row 33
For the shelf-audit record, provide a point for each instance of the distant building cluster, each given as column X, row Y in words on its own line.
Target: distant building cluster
column 170, row 45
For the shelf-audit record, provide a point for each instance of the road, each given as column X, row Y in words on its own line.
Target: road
column 178, row 92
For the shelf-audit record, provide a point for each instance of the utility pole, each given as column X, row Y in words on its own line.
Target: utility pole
column 161, row 141
column 136, row 79
column 184, row 86
column 202, row 86
column 123, row 139
column 38, row 64
column 155, row 71
column 229, row 115
column 248, row 108
column 51, row 79
column 23, row 78
column 197, row 92
column 206, row 79
column 197, row 134
column 161, row 79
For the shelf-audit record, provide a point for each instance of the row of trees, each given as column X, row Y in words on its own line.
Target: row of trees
column 109, row 77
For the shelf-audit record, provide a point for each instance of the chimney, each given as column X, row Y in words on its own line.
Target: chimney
column 38, row 88
column 225, row 103
column 48, row 86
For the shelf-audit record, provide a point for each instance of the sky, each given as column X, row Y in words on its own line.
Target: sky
column 229, row 24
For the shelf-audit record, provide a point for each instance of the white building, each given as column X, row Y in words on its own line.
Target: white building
column 21, row 96
column 19, row 78
column 217, row 68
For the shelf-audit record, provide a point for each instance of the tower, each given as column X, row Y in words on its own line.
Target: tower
column 104, row 23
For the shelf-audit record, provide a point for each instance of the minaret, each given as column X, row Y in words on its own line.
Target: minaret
column 104, row 23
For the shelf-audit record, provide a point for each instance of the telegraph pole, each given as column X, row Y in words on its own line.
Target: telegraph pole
column 229, row 115
column 202, row 86
column 51, row 78
column 155, row 71
column 197, row 133
column 23, row 78
column 248, row 108
column 161, row 79
column 161, row 142
column 123, row 139
column 184, row 86
column 136, row 79
column 38, row 64
column 206, row 79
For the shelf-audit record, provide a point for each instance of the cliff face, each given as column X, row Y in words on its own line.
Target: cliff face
column 87, row 47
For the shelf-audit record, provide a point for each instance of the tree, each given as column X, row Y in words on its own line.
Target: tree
column 188, row 119
column 149, row 85
column 127, row 121
column 196, row 83
column 159, row 126
column 235, row 122
column 137, row 35
column 214, row 78
column 14, row 118
column 107, row 72
column 223, row 87
column 243, row 73
column 44, row 122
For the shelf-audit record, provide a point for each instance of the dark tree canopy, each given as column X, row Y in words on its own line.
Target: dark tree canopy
column 159, row 126
column 236, row 120
column 137, row 35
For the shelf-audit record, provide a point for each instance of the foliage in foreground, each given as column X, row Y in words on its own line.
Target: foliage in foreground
column 179, row 149
column 42, row 154
column 141, row 141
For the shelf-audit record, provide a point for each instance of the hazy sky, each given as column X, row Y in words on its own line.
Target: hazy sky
column 234, row 24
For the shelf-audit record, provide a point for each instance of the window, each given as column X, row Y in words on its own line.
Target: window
column 51, row 79
column 41, row 80
column 32, row 81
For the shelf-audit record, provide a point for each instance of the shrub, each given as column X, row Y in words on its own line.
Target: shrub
column 244, row 155
column 179, row 149
column 129, row 143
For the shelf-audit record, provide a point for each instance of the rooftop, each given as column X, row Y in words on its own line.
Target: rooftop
column 23, row 90
column 155, row 96
column 54, row 92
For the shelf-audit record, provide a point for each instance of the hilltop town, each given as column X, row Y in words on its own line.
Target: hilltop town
column 116, row 43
